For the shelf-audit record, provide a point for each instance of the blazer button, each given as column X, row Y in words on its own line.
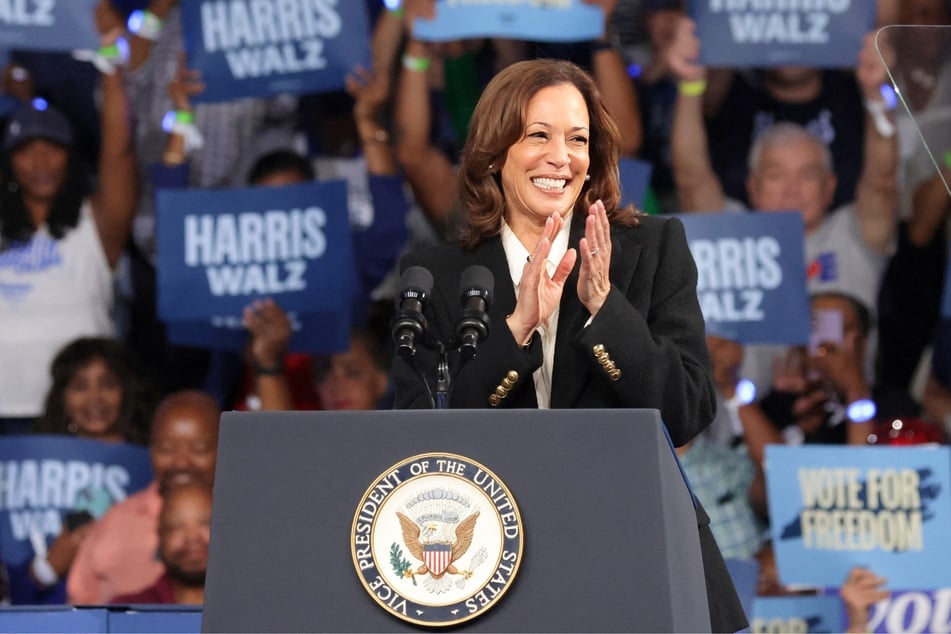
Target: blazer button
column 494, row 400
column 512, row 376
column 598, row 350
column 501, row 392
column 615, row 374
column 507, row 384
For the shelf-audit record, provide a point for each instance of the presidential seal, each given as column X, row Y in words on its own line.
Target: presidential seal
column 437, row 539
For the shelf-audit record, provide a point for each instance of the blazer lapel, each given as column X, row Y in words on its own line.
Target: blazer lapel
column 571, row 373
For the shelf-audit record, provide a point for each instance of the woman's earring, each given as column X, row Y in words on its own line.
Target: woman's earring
column 587, row 177
column 491, row 167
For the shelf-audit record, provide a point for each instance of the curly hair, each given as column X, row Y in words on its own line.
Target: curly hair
column 138, row 400
column 16, row 223
column 498, row 122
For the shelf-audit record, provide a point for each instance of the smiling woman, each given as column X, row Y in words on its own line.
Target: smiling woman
column 96, row 393
column 60, row 241
column 595, row 305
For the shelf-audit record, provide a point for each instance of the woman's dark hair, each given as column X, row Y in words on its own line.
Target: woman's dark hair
column 16, row 223
column 280, row 161
column 498, row 122
column 138, row 401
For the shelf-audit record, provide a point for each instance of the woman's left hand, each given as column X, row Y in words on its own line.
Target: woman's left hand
column 594, row 280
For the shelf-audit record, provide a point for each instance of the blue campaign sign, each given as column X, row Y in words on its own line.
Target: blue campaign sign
column 48, row 25
column 218, row 250
column 321, row 333
column 256, row 48
column 44, row 477
column 748, row 33
column 635, row 178
column 946, row 292
column 536, row 20
column 885, row 508
column 797, row 614
column 912, row 611
column 751, row 275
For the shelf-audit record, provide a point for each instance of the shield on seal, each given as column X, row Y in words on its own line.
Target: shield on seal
column 437, row 557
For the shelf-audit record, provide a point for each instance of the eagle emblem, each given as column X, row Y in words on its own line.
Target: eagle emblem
column 439, row 534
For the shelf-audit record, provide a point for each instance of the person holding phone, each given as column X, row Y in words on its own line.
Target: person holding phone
column 821, row 393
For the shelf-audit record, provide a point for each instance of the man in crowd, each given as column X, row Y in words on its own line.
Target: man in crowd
column 118, row 555
column 183, row 530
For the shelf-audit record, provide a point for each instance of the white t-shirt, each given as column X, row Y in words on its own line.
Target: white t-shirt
column 51, row 292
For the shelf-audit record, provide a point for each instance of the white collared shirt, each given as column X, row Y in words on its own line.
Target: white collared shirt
column 516, row 254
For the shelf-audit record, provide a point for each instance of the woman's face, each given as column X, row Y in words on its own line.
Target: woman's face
column 93, row 400
column 351, row 380
column 40, row 169
column 544, row 171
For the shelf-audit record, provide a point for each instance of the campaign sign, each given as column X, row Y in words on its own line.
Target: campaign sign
column 535, row 20
column 797, row 614
column 635, row 178
column 946, row 292
column 48, row 25
column 761, row 33
column 751, row 275
column 44, row 477
column 912, row 611
column 885, row 508
column 322, row 333
column 256, row 48
column 218, row 250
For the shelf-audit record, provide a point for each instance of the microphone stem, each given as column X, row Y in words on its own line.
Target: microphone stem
column 443, row 379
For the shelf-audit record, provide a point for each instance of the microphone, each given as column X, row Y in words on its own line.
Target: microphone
column 408, row 324
column 472, row 327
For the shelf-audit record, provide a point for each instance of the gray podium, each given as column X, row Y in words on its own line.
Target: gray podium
column 610, row 543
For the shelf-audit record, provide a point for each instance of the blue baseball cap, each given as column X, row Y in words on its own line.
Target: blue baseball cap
column 29, row 123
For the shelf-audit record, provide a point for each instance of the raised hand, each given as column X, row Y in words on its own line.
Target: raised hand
column 539, row 292
column 594, row 279
column 681, row 56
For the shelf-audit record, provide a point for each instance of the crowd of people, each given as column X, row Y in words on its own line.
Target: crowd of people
column 436, row 159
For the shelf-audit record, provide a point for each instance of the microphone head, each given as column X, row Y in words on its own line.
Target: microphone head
column 415, row 282
column 477, row 281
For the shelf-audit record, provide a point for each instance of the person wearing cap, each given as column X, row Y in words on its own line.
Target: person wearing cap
column 59, row 241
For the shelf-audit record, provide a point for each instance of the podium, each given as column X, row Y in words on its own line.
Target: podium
column 610, row 533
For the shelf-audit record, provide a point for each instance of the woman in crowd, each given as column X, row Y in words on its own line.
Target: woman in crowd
column 59, row 242
column 539, row 184
column 96, row 394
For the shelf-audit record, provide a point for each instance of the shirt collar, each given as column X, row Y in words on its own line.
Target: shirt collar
column 517, row 254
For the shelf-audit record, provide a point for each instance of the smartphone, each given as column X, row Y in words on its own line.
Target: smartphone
column 75, row 519
column 827, row 327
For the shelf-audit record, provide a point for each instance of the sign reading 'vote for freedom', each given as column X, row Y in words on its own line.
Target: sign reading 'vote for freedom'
column 262, row 47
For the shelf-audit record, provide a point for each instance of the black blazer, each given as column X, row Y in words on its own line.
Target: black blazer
column 645, row 349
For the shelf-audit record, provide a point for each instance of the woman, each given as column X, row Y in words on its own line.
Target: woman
column 96, row 394
column 539, row 183
column 58, row 246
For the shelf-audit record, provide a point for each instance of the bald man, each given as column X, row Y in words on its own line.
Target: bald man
column 183, row 529
column 120, row 554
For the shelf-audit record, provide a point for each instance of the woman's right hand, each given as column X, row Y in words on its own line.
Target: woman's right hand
column 540, row 293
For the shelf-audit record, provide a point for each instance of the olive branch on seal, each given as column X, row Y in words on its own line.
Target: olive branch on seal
column 399, row 563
